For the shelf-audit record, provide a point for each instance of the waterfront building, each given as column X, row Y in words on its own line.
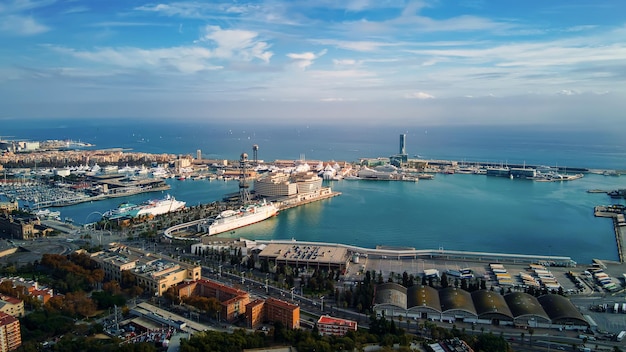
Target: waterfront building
column 7, row 207
column 275, row 184
column 22, row 227
column 153, row 273
column 327, row 325
column 498, row 171
column 302, row 255
column 233, row 301
column 10, row 334
column 481, row 307
column 280, row 184
column 523, row 172
column 402, row 144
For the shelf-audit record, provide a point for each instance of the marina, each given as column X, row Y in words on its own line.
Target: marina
column 37, row 194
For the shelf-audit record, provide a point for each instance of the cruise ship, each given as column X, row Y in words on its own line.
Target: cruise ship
column 151, row 207
column 233, row 219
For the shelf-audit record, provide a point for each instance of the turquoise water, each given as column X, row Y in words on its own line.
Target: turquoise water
column 457, row 212
column 460, row 212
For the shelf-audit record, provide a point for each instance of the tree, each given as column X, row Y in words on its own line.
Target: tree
column 444, row 280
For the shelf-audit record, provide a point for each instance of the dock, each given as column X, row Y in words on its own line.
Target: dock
column 615, row 212
column 298, row 201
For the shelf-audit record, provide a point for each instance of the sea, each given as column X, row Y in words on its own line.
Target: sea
column 451, row 212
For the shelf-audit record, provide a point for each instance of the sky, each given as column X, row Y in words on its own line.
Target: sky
column 354, row 61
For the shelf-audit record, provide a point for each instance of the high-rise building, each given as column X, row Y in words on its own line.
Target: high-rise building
column 403, row 144
column 10, row 334
column 198, row 154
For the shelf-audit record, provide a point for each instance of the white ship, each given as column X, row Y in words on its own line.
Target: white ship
column 151, row 207
column 48, row 214
column 232, row 219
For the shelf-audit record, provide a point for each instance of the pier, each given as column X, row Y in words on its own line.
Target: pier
column 299, row 200
column 615, row 212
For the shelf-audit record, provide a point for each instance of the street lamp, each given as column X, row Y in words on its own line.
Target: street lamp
column 291, row 289
column 322, row 303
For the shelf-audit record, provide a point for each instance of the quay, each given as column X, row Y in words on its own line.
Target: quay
column 438, row 254
column 615, row 212
column 302, row 199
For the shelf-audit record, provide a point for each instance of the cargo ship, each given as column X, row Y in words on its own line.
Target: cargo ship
column 151, row 207
column 246, row 215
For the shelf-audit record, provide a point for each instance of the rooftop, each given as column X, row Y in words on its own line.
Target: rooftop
column 305, row 253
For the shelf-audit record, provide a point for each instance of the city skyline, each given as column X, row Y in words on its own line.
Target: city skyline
column 431, row 62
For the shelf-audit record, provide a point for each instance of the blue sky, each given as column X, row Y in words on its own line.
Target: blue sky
column 371, row 62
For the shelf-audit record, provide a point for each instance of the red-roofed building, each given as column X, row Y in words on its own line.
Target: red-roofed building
column 273, row 310
column 285, row 312
column 254, row 313
column 327, row 325
column 12, row 306
column 10, row 334
column 233, row 300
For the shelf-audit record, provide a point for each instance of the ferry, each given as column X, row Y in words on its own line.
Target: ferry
column 151, row 207
column 247, row 215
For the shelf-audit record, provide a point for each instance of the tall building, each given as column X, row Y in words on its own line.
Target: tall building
column 199, row 154
column 400, row 158
column 10, row 334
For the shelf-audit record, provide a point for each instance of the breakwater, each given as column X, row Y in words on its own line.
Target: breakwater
column 616, row 213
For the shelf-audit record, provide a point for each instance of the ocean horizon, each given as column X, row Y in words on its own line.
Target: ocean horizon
column 456, row 212
column 549, row 145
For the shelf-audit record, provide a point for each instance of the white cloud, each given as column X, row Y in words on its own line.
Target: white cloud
column 181, row 59
column 182, row 9
column 233, row 43
column 346, row 62
column 16, row 17
column 21, row 25
column 419, row 95
column 304, row 60
column 362, row 46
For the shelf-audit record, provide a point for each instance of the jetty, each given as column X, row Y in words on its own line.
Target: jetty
column 615, row 212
